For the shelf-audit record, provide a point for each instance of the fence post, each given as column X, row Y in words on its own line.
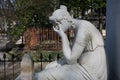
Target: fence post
column 49, row 58
column 41, row 56
column 13, row 64
column 58, row 56
column 4, row 57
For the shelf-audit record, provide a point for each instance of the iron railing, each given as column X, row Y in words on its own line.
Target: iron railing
column 10, row 69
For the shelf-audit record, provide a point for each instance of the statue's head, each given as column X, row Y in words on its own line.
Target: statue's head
column 61, row 16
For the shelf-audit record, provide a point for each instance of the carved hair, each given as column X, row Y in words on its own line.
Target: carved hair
column 60, row 14
column 63, row 7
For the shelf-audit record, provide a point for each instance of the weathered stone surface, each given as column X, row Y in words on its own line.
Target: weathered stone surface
column 26, row 68
column 86, row 59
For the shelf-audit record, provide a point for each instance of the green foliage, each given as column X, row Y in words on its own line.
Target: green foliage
column 31, row 13
column 99, row 3
column 83, row 5
column 46, row 55
column 16, row 32
column 36, row 55
column 34, row 14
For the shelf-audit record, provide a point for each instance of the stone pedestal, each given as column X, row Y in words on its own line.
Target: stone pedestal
column 113, row 38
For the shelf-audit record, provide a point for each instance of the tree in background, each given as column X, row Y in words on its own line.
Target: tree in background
column 7, row 15
column 79, row 7
column 34, row 13
column 31, row 13
column 92, row 10
column 18, row 15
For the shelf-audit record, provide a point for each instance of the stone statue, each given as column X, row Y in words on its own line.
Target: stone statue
column 85, row 60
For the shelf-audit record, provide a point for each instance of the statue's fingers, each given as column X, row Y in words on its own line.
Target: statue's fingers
column 59, row 26
column 55, row 29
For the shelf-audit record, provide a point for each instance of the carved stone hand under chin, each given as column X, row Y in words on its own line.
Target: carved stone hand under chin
column 58, row 29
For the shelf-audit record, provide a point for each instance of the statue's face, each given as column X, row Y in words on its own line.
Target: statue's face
column 64, row 24
column 59, row 17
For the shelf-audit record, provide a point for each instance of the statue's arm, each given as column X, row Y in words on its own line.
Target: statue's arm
column 72, row 54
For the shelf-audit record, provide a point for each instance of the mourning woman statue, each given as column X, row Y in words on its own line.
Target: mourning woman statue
column 85, row 60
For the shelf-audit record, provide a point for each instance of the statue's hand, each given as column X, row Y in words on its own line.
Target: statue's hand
column 58, row 29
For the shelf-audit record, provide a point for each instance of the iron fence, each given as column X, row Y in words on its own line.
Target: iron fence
column 10, row 69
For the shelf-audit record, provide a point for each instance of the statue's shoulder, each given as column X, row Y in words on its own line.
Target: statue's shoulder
column 86, row 26
column 86, row 23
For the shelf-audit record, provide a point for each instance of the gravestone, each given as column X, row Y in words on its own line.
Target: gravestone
column 26, row 68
